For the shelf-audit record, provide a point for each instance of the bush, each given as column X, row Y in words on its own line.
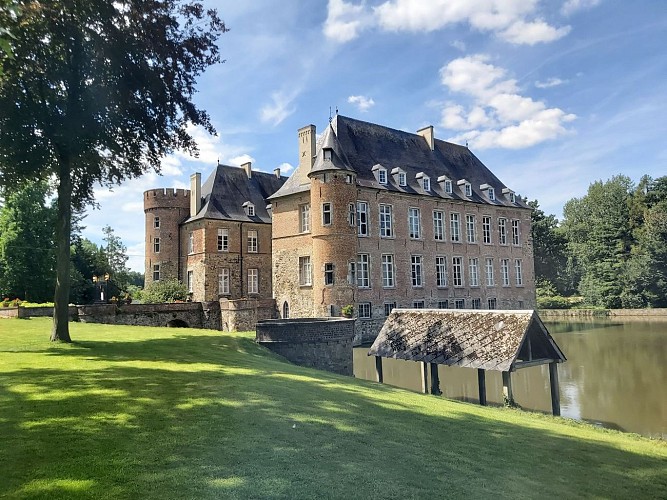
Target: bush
column 164, row 291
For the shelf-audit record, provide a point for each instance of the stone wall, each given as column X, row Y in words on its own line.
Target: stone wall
column 366, row 330
column 322, row 343
column 625, row 314
column 189, row 314
column 243, row 314
column 33, row 312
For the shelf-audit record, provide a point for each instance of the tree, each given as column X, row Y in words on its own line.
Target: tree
column 99, row 92
column 116, row 256
column 26, row 248
column 88, row 260
column 549, row 250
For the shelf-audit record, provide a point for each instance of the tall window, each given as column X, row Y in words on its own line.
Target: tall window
column 459, row 303
column 191, row 281
column 418, row 304
column 426, row 183
column 490, row 280
column 388, row 307
column 285, row 309
column 252, row 241
column 385, row 221
column 382, row 176
column 502, row 231
column 156, row 245
column 363, row 271
column 416, row 271
column 455, row 227
column 515, row 232
column 223, row 282
column 471, row 228
column 438, row 225
column 251, row 210
column 476, row 304
column 414, row 223
column 326, row 214
column 448, row 187
column 473, row 270
column 305, row 271
column 519, row 272
column 350, row 214
column 362, row 218
column 191, row 243
column 468, row 189
column 156, row 272
column 402, row 179
column 388, row 271
column 443, row 304
column 352, row 273
column 486, row 229
column 441, row 272
column 492, row 194
column 156, row 222
column 457, row 271
column 223, row 240
column 253, row 280
column 505, row 271
column 304, row 218
column 492, row 303
column 365, row 310
column 328, row 273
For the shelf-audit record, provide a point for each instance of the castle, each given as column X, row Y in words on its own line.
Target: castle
column 372, row 217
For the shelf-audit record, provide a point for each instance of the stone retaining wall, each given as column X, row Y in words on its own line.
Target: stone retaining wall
column 625, row 314
column 322, row 343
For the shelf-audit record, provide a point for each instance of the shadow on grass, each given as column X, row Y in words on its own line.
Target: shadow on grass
column 217, row 416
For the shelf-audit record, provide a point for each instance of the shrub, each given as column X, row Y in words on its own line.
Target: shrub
column 164, row 291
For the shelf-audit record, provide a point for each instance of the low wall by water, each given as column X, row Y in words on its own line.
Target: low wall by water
column 625, row 314
column 322, row 343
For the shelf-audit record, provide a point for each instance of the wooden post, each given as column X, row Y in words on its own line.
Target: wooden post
column 481, row 379
column 508, row 395
column 435, row 380
column 555, row 392
column 378, row 369
column 424, row 377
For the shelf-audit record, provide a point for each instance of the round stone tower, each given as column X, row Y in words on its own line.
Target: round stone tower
column 165, row 209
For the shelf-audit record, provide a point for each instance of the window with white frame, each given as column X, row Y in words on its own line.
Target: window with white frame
column 388, row 271
column 471, row 228
column 328, row 273
column 457, row 271
column 156, row 245
column 388, row 307
column 515, row 232
column 326, row 214
column 252, row 241
column 253, row 280
column 438, row 225
column 223, row 282
column 304, row 218
column 459, row 303
column 502, row 231
column 156, row 272
column 443, row 304
column 223, row 240
column 486, row 229
column 191, row 243
column 156, row 222
column 468, row 189
column 327, row 153
column 386, row 230
column 350, row 214
column 512, row 198
column 492, row 303
column 414, row 223
column 455, row 227
column 364, row 310
column 518, row 269
column 363, row 270
column 251, row 210
column 418, row 304
column 505, row 271
column 191, row 281
column 305, row 271
column 490, row 280
column 382, row 176
column 492, row 194
column 448, row 186
column 352, row 273
column 426, row 183
column 416, row 271
column 402, row 179
column 441, row 271
column 473, row 271
column 476, row 304
column 362, row 218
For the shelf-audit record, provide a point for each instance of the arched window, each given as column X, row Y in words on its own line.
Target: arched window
column 285, row 310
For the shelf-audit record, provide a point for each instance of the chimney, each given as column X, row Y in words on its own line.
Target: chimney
column 195, row 194
column 276, row 172
column 307, row 147
column 427, row 133
column 248, row 169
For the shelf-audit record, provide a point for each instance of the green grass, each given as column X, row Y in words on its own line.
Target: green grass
column 130, row 412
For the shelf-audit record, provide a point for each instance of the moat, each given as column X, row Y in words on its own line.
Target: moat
column 615, row 376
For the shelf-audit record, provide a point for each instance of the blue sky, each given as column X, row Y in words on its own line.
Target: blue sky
column 550, row 95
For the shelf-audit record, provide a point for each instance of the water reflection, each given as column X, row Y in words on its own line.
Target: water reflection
column 615, row 376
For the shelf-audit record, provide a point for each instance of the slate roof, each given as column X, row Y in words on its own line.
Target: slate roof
column 363, row 145
column 228, row 188
column 492, row 340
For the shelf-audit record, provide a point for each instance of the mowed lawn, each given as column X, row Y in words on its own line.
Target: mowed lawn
column 134, row 412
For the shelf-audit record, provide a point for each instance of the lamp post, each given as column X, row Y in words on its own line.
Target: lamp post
column 101, row 283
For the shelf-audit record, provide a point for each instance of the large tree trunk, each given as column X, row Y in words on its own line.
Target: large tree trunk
column 63, row 234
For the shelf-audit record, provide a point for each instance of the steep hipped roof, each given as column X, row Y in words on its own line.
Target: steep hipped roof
column 363, row 145
column 228, row 188
column 338, row 160
column 492, row 340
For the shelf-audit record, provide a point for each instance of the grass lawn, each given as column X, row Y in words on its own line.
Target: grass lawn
column 135, row 412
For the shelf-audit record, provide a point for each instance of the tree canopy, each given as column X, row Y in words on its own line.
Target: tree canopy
column 97, row 92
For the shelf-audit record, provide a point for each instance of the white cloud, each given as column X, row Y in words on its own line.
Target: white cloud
column 285, row 168
column 363, row 103
column 240, row 160
column 530, row 33
column 572, row 6
column 498, row 116
column 458, row 44
column 280, row 108
column 345, row 20
column 551, row 82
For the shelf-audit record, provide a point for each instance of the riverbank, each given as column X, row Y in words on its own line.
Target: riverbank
column 625, row 314
column 184, row 413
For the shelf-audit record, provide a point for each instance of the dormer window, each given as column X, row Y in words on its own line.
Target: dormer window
column 490, row 192
column 509, row 194
column 424, row 180
column 445, row 183
column 380, row 173
column 327, row 154
column 249, row 209
column 448, row 187
column 399, row 176
column 466, row 187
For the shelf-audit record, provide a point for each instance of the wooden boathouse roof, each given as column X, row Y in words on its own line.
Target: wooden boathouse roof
column 485, row 339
